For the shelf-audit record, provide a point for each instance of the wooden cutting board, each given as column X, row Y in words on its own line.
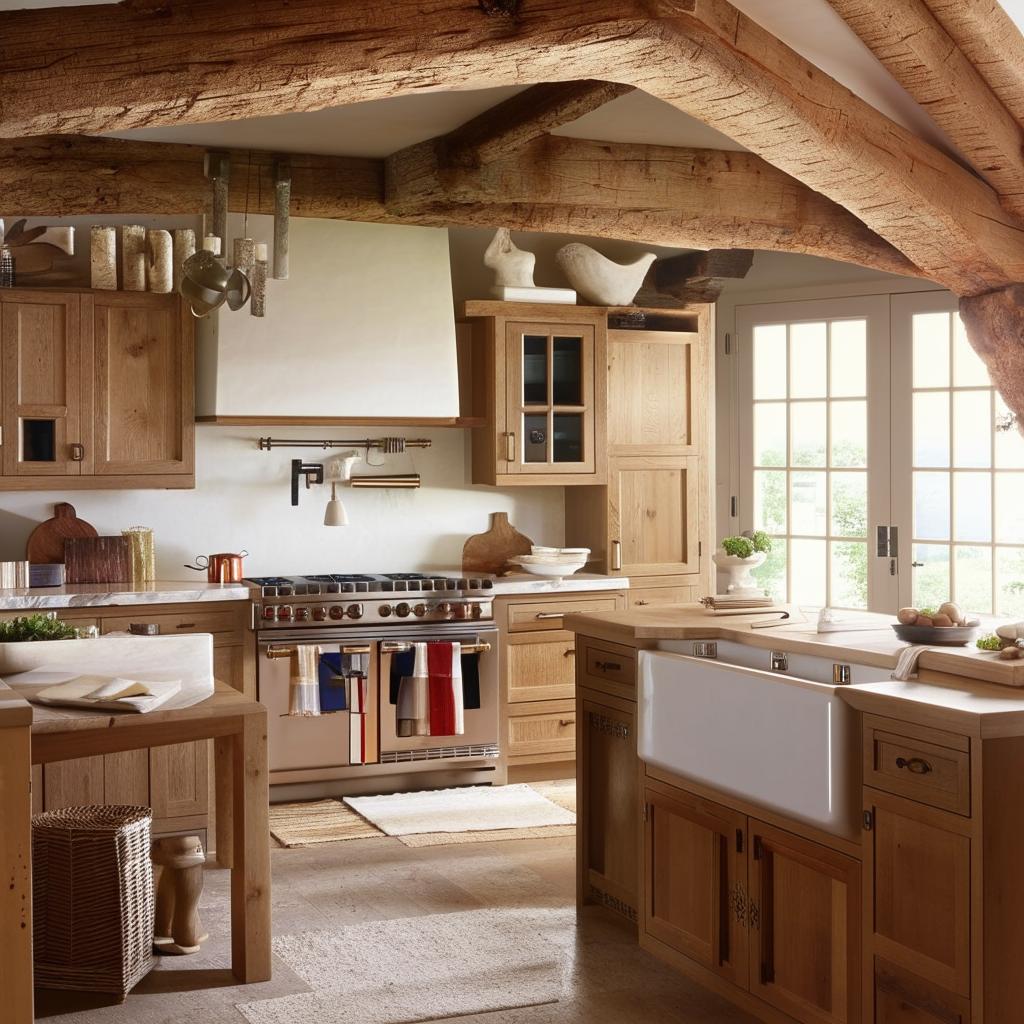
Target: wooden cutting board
column 97, row 560
column 489, row 552
column 46, row 541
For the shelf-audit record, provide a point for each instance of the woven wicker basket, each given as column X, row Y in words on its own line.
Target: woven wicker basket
column 92, row 898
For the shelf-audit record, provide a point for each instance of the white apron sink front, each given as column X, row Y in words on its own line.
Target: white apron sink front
column 782, row 739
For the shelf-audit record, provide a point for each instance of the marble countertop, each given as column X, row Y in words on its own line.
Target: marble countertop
column 92, row 595
column 959, row 686
column 581, row 581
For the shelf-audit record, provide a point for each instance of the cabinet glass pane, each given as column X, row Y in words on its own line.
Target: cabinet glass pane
column 973, row 588
column 972, row 504
column 535, row 370
column 931, row 577
column 808, row 572
column 567, row 371
column 807, row 433
column 849, row 363
column 931, row 350
column 38, row 440
column 931, row 506
column 972, row 428
column 535, row 438
column 568, row 439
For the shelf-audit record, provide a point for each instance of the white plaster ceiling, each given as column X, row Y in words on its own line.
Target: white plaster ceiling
column 375, row 129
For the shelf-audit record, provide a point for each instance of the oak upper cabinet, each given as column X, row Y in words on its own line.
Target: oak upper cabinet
column 43, row 402
column 540, row 386
column 804, row 927
column 97, row 390
column 695, row 879
column 142, row 370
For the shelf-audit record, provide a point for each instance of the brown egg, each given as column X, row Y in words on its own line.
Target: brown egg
column 1010, row 653
column 954, row 612
column 908, row 616
column 923, row 620
column 941, row 620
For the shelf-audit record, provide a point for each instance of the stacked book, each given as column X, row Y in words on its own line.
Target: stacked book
column 13, row 574
column 734, row 602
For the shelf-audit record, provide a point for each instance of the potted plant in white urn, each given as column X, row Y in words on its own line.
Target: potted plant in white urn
column 737, row 557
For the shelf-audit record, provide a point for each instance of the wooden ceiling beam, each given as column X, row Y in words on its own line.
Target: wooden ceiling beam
column 524, row 117
column 921, row 56
column 991, row 41
column 702, row 198
column 694, row 276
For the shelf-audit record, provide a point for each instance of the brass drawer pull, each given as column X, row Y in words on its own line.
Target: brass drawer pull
column 185, row 625
column 563, row 722
column 77, row 452
column 917, row 765
column 549, row 615
column 640, row 604
column 510, row 447
column 608, row 666
column 571, row 653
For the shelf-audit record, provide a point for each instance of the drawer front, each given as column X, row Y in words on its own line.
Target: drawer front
column 918, row 768
column 610, row 665
column 535, row 615
column 542, row 671
column 177, row 622
column 653, row 597
column 553, row 732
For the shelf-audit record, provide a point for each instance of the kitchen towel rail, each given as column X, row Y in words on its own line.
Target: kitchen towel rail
column 398, row 647
column 287, row 652
column 390, row 445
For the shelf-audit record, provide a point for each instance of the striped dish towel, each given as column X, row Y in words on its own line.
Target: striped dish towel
column 413, row 711
column 304, row 689
column 906, row 662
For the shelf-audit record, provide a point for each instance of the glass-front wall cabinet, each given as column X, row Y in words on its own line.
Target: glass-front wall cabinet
column 550, row 399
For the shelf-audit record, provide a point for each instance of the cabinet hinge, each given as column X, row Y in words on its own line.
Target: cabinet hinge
column 728, row 344
column 758, row 848
column 739, row 840
column 869, row 821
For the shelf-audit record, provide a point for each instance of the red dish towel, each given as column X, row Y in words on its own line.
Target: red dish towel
column 445, row 704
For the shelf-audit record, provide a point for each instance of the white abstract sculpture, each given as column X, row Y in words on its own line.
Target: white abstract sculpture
column 512, row 266
column 600, row 280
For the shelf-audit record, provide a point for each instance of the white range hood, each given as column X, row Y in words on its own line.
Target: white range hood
column 363, row 327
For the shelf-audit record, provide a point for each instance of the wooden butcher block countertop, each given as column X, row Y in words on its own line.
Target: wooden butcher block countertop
column 959, row 687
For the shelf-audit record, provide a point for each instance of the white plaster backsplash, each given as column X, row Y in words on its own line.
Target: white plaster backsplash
column 241, row 500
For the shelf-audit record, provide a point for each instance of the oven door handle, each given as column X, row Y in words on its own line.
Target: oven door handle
column 398, row 647
column 273, row 652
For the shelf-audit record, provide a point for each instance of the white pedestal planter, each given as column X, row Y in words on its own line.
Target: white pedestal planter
column 739, row 579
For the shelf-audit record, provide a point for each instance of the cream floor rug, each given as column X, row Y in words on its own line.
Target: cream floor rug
column 466, row 809
column 421, row 968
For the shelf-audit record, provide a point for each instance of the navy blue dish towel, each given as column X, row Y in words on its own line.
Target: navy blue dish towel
column 332, row 684
column 402, row 666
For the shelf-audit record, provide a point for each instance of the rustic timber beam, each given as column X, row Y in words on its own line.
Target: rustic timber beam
column 921, row 56
column 991, row 41
column 104, row 68
column 711, row 198
column 995, row 328
column 524, row 117
column 694, row 276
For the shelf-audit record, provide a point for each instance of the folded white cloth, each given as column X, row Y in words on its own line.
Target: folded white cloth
column 906, row 662
column 107, row 694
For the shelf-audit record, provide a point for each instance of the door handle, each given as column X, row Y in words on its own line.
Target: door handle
column 549, row 615
column 510, row 447
column 616, row 556
column 77, row 452
column 917, row 565
column 916, row 765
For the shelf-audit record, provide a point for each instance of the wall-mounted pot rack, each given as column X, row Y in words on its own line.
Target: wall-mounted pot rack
column 389, row 445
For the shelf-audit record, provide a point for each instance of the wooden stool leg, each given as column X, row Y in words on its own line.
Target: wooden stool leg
column 178, row 928
column 164, row 906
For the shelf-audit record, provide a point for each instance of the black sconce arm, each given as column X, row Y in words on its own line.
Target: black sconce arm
column 312, row 471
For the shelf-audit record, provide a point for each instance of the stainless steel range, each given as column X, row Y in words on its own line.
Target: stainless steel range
column 364, row 628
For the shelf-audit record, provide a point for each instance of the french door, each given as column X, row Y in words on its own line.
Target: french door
column 876, row 453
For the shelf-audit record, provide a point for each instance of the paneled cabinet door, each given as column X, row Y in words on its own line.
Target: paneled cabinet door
column 41, row 385
column 608, row 839
column 550, row 399
column 805, row 903
column 695, row 891
column 654, row 516
column 900, row 998
column 917, row 863
column 142, row 381
column 179, row 779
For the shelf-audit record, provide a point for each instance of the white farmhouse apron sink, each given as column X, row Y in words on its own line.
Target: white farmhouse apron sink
column 783, row 739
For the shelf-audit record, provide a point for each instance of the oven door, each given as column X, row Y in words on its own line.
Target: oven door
column 317, row 742
column 479, row 663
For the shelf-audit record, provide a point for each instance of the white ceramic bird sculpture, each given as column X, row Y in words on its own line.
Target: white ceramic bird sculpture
column 512, row 266
column 600, row 280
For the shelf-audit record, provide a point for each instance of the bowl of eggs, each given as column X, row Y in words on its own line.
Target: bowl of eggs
column 945, row 626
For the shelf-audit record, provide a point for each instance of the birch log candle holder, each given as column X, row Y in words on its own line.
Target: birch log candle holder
column 258, row 280
column 103, row 258
column 133, row 258
column 244, row 255
column 184, row 246
column 282, row 202
column 159, row 261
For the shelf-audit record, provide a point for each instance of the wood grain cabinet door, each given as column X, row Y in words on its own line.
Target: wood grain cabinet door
column 695, row 880
column 142, row 383
column 654, row 516
column 918, row 866
column 41, row 385
column 900, row 998
column 805, row 904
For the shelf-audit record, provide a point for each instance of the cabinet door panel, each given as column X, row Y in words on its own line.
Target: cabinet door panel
column 126, row 778
column 179, row 779
column 805, row 918
column 610, row 809
column 42, row 358
column 900, row 998
column 542, row 670
column 73, row 783
column 695, row 896
column 654, row 516
column 142, row 385
column 919, row 864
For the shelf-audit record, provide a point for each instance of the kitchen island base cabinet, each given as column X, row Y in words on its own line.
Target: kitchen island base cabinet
column 901, row 998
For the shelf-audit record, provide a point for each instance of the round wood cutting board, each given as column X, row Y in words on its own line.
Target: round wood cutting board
column 46, row 541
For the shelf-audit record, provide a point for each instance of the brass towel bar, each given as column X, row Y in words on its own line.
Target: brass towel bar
column 287, row 652
column 387, row 647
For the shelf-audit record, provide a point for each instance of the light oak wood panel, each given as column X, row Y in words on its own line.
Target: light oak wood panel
column 918, row 891
column 542, row 616
column 126, row 778
column 541, row 670
column 42, row 360
column 805, row 927
column 695, row 879
column 224, row 625
column 73, row 783
column 143, row 384
column 902, row 998
column 550, row 731
column 645, row 597
column 180, row 776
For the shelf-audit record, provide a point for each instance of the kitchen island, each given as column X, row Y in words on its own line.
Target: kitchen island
column 904, row 910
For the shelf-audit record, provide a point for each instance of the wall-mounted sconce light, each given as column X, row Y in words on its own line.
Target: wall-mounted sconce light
column 335, row 514
column 313, row 472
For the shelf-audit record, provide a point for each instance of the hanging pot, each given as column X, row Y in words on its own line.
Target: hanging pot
column 224, row 567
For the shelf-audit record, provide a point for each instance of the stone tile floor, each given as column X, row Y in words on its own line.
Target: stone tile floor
column 610, row 979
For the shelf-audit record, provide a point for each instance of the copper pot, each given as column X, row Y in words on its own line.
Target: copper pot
column 223, row 567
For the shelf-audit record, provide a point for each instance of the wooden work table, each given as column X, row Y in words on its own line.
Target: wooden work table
column 34, row 735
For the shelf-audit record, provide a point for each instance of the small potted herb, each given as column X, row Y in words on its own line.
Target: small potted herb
column 738, row 556
column 30, row 628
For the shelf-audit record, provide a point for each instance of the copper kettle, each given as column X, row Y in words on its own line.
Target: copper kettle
column 223, row 567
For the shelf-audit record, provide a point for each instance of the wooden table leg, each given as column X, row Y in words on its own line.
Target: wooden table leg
column 16, row 875
column 250, row 875
column 224, row 795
